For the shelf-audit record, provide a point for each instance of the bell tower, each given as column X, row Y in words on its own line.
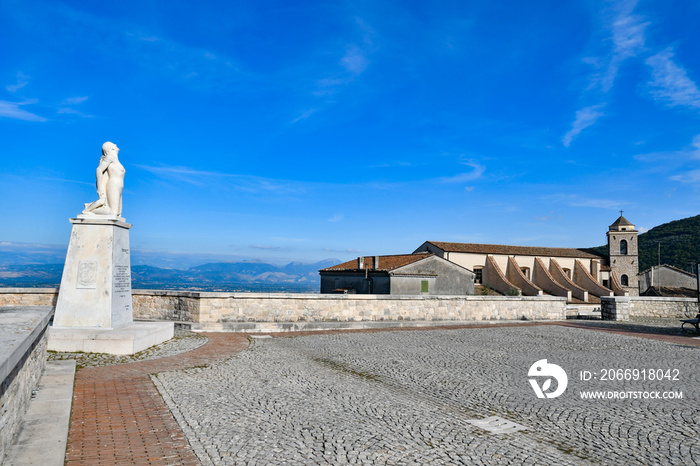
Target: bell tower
column 624, row 255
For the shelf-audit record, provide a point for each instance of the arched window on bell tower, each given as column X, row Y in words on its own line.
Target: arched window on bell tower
column 623, row 247
column 624, row 281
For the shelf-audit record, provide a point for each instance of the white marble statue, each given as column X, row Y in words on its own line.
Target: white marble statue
column 110, row 183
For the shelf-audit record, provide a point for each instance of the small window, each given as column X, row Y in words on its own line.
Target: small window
column 606, row 284
column 478, row 275
column 525, row 271
column 567, row 272
column 624, row 280
column 424, row 286
column 623, row 247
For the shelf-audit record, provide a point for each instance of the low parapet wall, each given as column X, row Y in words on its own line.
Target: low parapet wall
column 624, row 307
column 258, row 307
column 203, row 307
column 28, row 296
column 22, row 360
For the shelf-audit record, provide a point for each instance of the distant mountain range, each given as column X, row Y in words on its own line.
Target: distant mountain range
column 33, row 265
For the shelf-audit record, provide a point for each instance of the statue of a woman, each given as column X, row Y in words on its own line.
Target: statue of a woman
column 110, row 183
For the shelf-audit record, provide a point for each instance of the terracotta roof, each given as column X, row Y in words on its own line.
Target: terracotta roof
column 386, row 263
column 515, row 250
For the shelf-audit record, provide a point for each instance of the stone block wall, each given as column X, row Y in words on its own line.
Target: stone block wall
column 623, row 307
column 28, row 296
column 259, row 307
column 177, row 306
column 22, row 360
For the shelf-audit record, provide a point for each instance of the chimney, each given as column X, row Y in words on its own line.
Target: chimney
column 376, row 262
column 360, row 263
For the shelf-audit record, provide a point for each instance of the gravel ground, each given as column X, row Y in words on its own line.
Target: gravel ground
column 183, row 341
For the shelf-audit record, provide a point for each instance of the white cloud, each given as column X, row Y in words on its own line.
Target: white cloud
column 75, row 100
column 670, row 83
column 303, row 116
column 627, row 36
column 354, row 251
column 266, row 248
column 692, row 176
column 22, row 80
column 476, row 173
column 12, row 110
column 336, row 218
column 219, row 180
column 599, row 203
column 354, row 60
column 691, row 152
column 584, row 118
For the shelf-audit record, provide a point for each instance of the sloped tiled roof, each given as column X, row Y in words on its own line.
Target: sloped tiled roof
column 386, row 263
column 474, row 248
column 622, row 222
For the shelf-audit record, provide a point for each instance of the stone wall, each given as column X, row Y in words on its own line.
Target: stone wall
column 22, row 360
column 28, row 296
column 259, row 307
column 624, row 307
column 176, row 306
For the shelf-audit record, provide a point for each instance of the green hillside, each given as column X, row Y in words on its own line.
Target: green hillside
column 680, row 244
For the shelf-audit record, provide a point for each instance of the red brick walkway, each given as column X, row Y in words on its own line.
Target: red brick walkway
column 118, row 416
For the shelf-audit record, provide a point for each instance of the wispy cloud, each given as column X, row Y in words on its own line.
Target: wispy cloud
column 13, row 110
column 692, row 176
column 690, row 152
column 68, row 104
column 336, row 218
column 75, row 100
column 64, row 180
column 584, row 118
column 628, row 39
column 476, row 173
column 354, row 60
column 599, row 203
column 574, row 200
column 626, row 33
column 352, row 251
column 22, row 80
column 266, row 248
column 246, row 183
column 306, row 114
column 157, row 53
column 670, row 82
column 624, row 38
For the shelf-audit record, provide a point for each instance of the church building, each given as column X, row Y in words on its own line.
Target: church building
column 580, row 275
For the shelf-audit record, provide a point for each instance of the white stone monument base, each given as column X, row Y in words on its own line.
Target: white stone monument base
column 128, row 339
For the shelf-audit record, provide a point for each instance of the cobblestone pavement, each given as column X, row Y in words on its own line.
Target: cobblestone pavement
column 405, row 398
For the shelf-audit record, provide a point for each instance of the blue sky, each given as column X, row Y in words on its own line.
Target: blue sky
column 313, row 129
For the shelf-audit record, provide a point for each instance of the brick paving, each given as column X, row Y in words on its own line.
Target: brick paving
column 119, row 417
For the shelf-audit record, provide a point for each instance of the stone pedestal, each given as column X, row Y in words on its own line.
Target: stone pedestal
column 96, row 284
column 93, row 312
